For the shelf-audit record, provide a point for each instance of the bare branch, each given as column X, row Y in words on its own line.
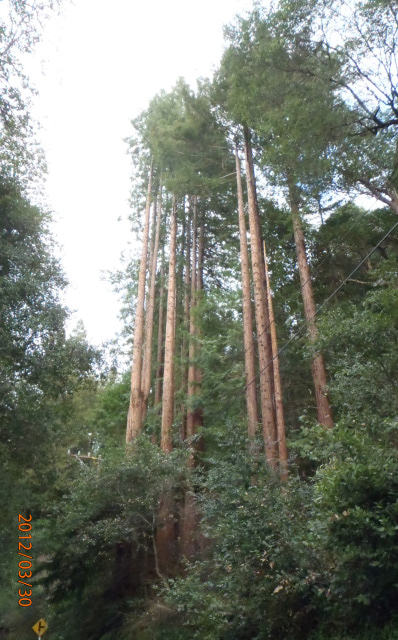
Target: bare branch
column 378, row 193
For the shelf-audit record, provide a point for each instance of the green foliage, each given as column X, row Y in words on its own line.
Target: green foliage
column 277, row 89
column 40, row 370
column 362, row 38
column 109, row 417
column 21, row 26
column 311, row 559
column 179, row 129
column 361, row 342
column 356, row 507
column 221, row 357
column 99, row 541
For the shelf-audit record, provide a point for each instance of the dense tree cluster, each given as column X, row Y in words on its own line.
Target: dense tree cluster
column 41, row 368
column 240, row 483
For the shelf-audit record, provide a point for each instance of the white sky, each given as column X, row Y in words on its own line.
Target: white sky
column 102, row 63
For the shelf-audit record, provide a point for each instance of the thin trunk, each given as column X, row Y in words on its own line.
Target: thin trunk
column 261, row 312
column 250, row 364
column 191, row 418
column 199, row 288
column 201, row 252
column 169, row 351
column 134, row 418
column 185, row 355
column 159, row 357
column 152, row 227
column 198, row 414
column 146, row 370
column 318, row 366
column 280, row 417
column 187, row 274
column 190, row 517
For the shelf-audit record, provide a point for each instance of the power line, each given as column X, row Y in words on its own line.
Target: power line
column 327, row 257
column 356, row 268
column 297, row 335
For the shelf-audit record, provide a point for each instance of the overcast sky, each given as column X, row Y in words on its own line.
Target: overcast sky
column 98, row 66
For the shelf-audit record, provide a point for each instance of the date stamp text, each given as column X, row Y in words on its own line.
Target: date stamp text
column 25, row 564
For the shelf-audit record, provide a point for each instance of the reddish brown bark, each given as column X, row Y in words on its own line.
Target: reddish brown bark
column 134, row 418
column 152, row 234
column 318, row 367
column 261, row 313
column 189, row 514
column 194, row 413
column 146, row 370
column 280, row 417
column 169, row 351
column 185, row 343
column 199, row 288
column 159, row 356
column 250, row 364
column 201, row 252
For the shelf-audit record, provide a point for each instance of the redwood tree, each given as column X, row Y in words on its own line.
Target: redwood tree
column 169, row 349
column 192, row 417
column 134, row 419
column 261, row 312
column 149, row 318
column 318, row 367
column 248, row 342
column 279, row 412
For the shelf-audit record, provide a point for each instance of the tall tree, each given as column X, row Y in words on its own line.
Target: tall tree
column 299, row 136
column 261, row 311
column 248, row 342
column 160, row 349
column 187, row 298
column 199, row 290
column 150, row 311
column 279, row 412
column 134, row 418
column 192, row 416
column 318, row 367
column 177, row 130
column 169, row 350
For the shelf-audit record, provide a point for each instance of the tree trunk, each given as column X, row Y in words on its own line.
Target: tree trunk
column 151, row 241
column 134, row 418
column 146, row 370
column 185, row 344
column 199, row 288
column 159, row 356
column 189, row 515
column 250, row 364
column 280, row 417
column 261, row 312
column 201, row 253
column 193, row 416
column 169, row 351
column 318, row 366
